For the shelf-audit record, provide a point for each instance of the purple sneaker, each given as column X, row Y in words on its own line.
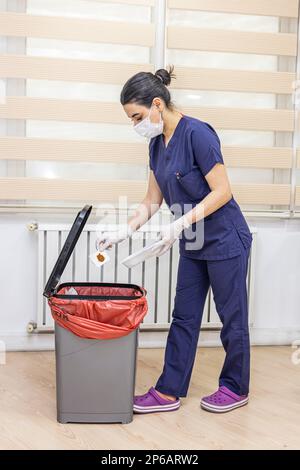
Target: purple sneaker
column 151, row 402
column 223, row 400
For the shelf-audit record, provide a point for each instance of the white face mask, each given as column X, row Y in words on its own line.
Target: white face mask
column 149, row 129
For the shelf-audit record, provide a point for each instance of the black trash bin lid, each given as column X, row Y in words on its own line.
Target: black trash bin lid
column 67, row 250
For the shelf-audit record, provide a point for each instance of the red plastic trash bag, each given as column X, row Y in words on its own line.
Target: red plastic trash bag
column 100, row 310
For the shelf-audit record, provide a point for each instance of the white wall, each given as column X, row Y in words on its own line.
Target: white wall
column 276, row 300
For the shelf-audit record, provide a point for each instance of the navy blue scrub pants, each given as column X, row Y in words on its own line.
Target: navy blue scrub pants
column 228, row 282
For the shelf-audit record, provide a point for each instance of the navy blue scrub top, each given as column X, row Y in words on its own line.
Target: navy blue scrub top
column 180, row 170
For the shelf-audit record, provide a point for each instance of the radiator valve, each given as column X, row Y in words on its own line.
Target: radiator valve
column 31, row 327
column 32, row 226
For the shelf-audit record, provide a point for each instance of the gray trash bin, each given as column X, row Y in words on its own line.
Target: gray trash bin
column 95, row 378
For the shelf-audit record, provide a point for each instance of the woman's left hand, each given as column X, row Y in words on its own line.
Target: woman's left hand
column 170, row 233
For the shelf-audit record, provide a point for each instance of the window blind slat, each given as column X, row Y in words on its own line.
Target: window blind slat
column 92, row 111
column 109, row 191
column 17, row 66
column 282, row 8
column 18, row 148
column 232, row 41
column 76, row 29
column 73, row 70
column 233, row 80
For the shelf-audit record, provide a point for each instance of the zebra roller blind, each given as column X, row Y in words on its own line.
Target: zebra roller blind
column 65, row 137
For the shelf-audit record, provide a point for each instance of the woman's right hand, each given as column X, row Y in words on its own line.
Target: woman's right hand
column 105, row 240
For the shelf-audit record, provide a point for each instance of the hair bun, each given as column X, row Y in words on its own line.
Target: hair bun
column 165, row 75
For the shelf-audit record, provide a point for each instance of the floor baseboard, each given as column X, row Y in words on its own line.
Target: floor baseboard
column 157, row 339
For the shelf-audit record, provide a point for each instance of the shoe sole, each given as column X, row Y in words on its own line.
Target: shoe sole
column 223, row 409
column 152, row 409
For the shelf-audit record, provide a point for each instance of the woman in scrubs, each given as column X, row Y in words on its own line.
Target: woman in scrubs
column 188, row 172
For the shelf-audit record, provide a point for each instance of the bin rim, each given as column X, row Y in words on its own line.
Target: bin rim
column 141, row 289
column 67, row 250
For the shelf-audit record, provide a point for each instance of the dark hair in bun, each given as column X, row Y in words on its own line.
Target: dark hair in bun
column 143, row 87
column 165, row 75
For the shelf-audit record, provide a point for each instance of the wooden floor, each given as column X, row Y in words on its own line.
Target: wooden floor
column 271, row 420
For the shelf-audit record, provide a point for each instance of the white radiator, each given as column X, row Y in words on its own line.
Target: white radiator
column 157, row 275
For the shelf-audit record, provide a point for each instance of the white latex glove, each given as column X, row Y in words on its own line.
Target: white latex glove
column 170, row 233
column 105, row 240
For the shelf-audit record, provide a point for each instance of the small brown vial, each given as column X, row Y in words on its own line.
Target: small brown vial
column 100, row 257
